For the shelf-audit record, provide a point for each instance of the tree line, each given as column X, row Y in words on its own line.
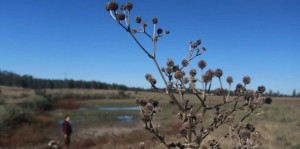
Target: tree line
column 8, row 78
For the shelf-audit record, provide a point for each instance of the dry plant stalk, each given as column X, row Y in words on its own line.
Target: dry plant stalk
column 193, row 131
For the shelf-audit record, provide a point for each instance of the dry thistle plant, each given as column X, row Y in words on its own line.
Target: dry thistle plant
column 178, row 84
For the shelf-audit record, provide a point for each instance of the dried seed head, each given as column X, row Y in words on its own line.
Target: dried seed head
column 229, row 79
column 206, row 78
column 250, row 127
column 218, row 91
column 239, row 87
column 113, row 6
column 159, row 31
column 178, row 75
column 134, row 31
column 249, row 94
column 142, row 145
column 219, row 73
column 167, row 31
column 121, row 16
column 145, row 24
column 129, row 6
column 261, row 89
column 202, row 64
column 155, row 103
column 107, row 7
column 149, row 107
column 198, row 42
column 210, row 73
column 148, row 76
column 123, row 7
column 152, row 81
column 143, row 102
column 246, row 79
column 193, row 72
column 138, row 19
column 268, row 100
column 175, row 68
column 145, row 118
column 203, row 48
column 155, row 20
column 170, row 63
column 163, row 69
column 169, row 70
column 185, row 80
column 185, row 63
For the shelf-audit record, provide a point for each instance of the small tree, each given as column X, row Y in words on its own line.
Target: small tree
column 294, row 93
column 177, row 84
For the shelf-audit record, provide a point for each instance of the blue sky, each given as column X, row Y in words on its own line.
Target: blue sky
column 79, row 40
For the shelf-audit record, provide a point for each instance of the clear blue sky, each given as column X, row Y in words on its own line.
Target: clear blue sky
column 77, row 38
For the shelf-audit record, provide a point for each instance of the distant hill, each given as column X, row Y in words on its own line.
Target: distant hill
column 8, row 78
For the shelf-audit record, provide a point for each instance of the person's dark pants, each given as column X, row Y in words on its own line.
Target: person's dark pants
column 67, row 141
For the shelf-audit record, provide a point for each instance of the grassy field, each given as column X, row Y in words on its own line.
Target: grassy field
column 96, row 128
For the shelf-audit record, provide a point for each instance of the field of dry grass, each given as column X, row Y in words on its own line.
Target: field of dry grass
column 94, row 128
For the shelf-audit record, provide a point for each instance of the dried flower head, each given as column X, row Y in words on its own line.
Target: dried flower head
column 206, row 78
column 218, row 72
column 159, row 31
column 229, row 79
column 152, row 81
column 249, row 94
column 210, row 73
column 202, row 64
column 268, row 100
column 167, row 31
column 145, row 117
column 134, row 31
column 169, row 70
column 148, row 76
column 122, row 7
column 163, row 69
column 145, row 24
column 129, row 6
column 155, row 103
column 261, row 89
column 142, row 102
column 149, row 107
column 113, row 6
column 142, row 145
column 155, row 20
column 170, row 63
column 218, row 91
column 203, row 48
column 121, row 16
column 239, row 87
column 107, row 7
column 138, row 19
column 246, row 79
column 178, row 75
column 185, row 63
column 175, row 68
column 198, row 42
column 193, row 72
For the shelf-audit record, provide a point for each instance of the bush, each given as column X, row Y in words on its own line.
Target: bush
column 178, row 83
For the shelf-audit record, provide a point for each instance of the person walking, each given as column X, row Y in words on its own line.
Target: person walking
column 67, row 131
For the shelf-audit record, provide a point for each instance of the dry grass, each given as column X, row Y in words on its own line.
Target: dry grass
column 279, row 125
